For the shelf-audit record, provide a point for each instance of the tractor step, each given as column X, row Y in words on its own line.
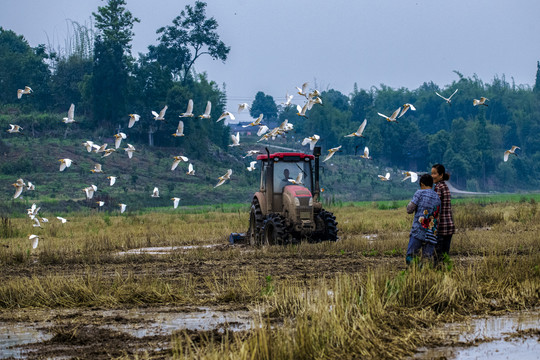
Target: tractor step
column 237, row 238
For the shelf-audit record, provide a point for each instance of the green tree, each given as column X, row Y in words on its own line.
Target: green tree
column 191, row 36
column 264, row 104
column 537, row 82
column 112, row 61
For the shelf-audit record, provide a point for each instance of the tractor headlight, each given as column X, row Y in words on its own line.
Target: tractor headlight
column 310, row 201
column 296, row 201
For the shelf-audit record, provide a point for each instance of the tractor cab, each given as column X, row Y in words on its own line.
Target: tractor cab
column 286, row 208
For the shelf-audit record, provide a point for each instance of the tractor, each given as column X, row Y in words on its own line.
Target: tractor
column 287, row 207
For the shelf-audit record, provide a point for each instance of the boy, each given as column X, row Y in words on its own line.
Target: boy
column 425, row 205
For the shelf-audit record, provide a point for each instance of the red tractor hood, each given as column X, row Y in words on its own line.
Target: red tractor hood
column 297, row 190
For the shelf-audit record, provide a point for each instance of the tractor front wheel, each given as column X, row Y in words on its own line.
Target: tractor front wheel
column 274, row 230
column 255, row 224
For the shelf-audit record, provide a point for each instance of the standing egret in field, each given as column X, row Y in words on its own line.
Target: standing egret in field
column 71, row 115
column 360, row 130
column 207, row 111
column 406, row 107
column 130, row 150
column 161, row 115
column 62, row 220
column 20, row 92
column 155, row 193
column 118, row 139
column 251, row 166
column 385, row 177
column 410, row 175
column 224, row 178
column 177, row 160
column 250, row 153
column 298, row 180
column 482, row 101
column 256, row 122
column 189, row 110
column 65, row 163
column 448, row 100
column 179, row 129
column 511, row 151
column 89, row 191
column 122, row 208
column 112, row 180
column 235, row 139
column 393, row 117
column 133, row 118
column 225, row 115
column 311, row 140
column 19, row 186
column 190, row 171
column 243, row 106
column 331, row 152
column 366, row 154
column 14, row 129
column 35, row 240
column 175, row 201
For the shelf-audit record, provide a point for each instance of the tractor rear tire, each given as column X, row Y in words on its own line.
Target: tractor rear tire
column 273, row 231
column 328, row 231
column 255, row 224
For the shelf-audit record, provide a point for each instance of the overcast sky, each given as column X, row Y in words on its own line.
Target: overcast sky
column 279, row 44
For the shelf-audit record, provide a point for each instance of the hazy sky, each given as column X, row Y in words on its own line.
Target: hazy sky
column 279, row 44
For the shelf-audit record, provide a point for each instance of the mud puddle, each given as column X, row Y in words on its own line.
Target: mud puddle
column 41, row 331
column 164, row 250
column 511, row 336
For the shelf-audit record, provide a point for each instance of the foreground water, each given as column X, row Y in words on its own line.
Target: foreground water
column 495, row 337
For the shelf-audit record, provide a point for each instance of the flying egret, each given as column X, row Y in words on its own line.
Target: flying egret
column 122, row 208
column 482, row 101
column 98, row 149
column 118, row 139
column 133, row 118
column 189, row 110
column 243, row 106
column 19, row 186
column 175, row 201
column 44, row 220
column 108, row 152
column 207, row 111
column 89, row 191
column 65, row 163
column 360, row 130
column 97, row 169
column 448, row 100
column 71, row 115
column 511, row 151
column 20, row 92
column 250, row 153
column 256, row 122
column 190, row 171
column 262, row 130
column 313, row 101
column 406, row 107
column 33, row 211
column 313, row 94
column 61, row 219
column 251, row 166
column 155, row 193
column 366, row 154
column 177, row 160
column 311, row 140
column 331, row 152
column 393, row 117
column 35, row 240
column 235, row 139
column 298, row 180
column 130, row 150
column 225, row 115
column 30, row 186
column 36, row 222
column 410, row 175
column 89, row 145
column 14, row 129
column 100, row 203
column 161, row 115
column 385, row 177
column 303, row 90
column 288, row 99
column 302, row 109
column 224, row 178
column 112, row 180
column 179, row 129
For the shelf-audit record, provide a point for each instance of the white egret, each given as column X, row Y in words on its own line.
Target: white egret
column 175, row 201
column 207, row 111
column 133, row 118
column 177, row 160
column 65, row 163
column 251, row 166
column 448, row 100
column 224, row 178
column 360, row 130
column 161, row 115
column 393, row 117
column 71, row 115
column 311, row 140
column 189, row 110
column 190, row 171
column 331, row 152
column 406, row 107
column 155, row 193
column 118, row 139
column 385, row 177
column 511, row 151
column 179, row 129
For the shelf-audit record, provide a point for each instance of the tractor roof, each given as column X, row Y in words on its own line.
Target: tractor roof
column 286, row 156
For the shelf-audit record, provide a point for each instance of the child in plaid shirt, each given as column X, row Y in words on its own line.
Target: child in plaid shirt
column 425, row 205
column 446, row 221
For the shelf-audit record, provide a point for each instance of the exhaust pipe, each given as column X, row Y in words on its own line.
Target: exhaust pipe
column 317, row 190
